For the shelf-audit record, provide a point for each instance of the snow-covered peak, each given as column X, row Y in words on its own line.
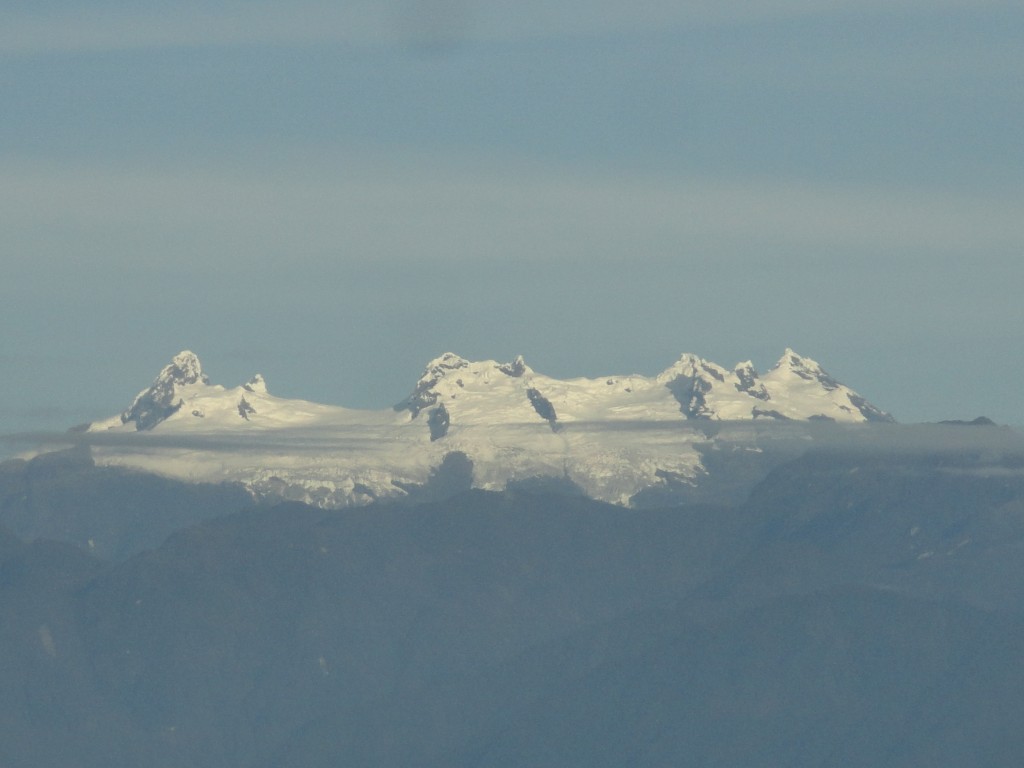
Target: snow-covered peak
column 797, row 387
column 793, row 364
column 441, row 365
column 805, row 390
column 256, row 384
column 185, row 368
column 692, row 365
column 516, row 369
column 704, row 390
column 488, row 392
column 449, row 375
column 424, row 394
column 162, row 398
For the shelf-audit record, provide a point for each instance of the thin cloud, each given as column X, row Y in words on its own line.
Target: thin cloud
column 283, row 441
column 110, row 26
column 468, row 215
column 991, row 448
column 119, row 26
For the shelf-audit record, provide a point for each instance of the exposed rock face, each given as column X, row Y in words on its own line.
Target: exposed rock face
column 424, row 394
column 870, row 412
column 515, row 369
column 245, row 409
column 160, row 399
column 749, row 381
column 438, row 422
column 256, row 384
column 691, row 380
column 542, row 405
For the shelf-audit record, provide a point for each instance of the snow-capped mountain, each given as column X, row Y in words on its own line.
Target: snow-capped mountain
column 613, row 436
column 693, row 388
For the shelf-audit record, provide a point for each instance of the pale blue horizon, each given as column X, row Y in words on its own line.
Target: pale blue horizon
column 333, row 196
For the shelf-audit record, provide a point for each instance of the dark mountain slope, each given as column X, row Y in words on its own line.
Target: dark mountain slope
column 853, row 676
column 107, row 511
column 934, row 525
column 524, row 628
column 238, row 631
column 850, row 677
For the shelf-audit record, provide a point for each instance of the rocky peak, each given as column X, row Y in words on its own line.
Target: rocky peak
column 793, row 364
column 160, row 400
column 692, row 366
column 516, row 368
column 690, row 379
column 256, row 385
column 793, row 370
column 185, row 368
column 749, row 381
column 423, row 395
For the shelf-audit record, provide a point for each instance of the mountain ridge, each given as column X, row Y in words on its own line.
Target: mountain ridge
column 613, row 436
column 795, row 382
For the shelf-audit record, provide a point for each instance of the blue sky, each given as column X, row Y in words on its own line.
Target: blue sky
column 334, row 193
